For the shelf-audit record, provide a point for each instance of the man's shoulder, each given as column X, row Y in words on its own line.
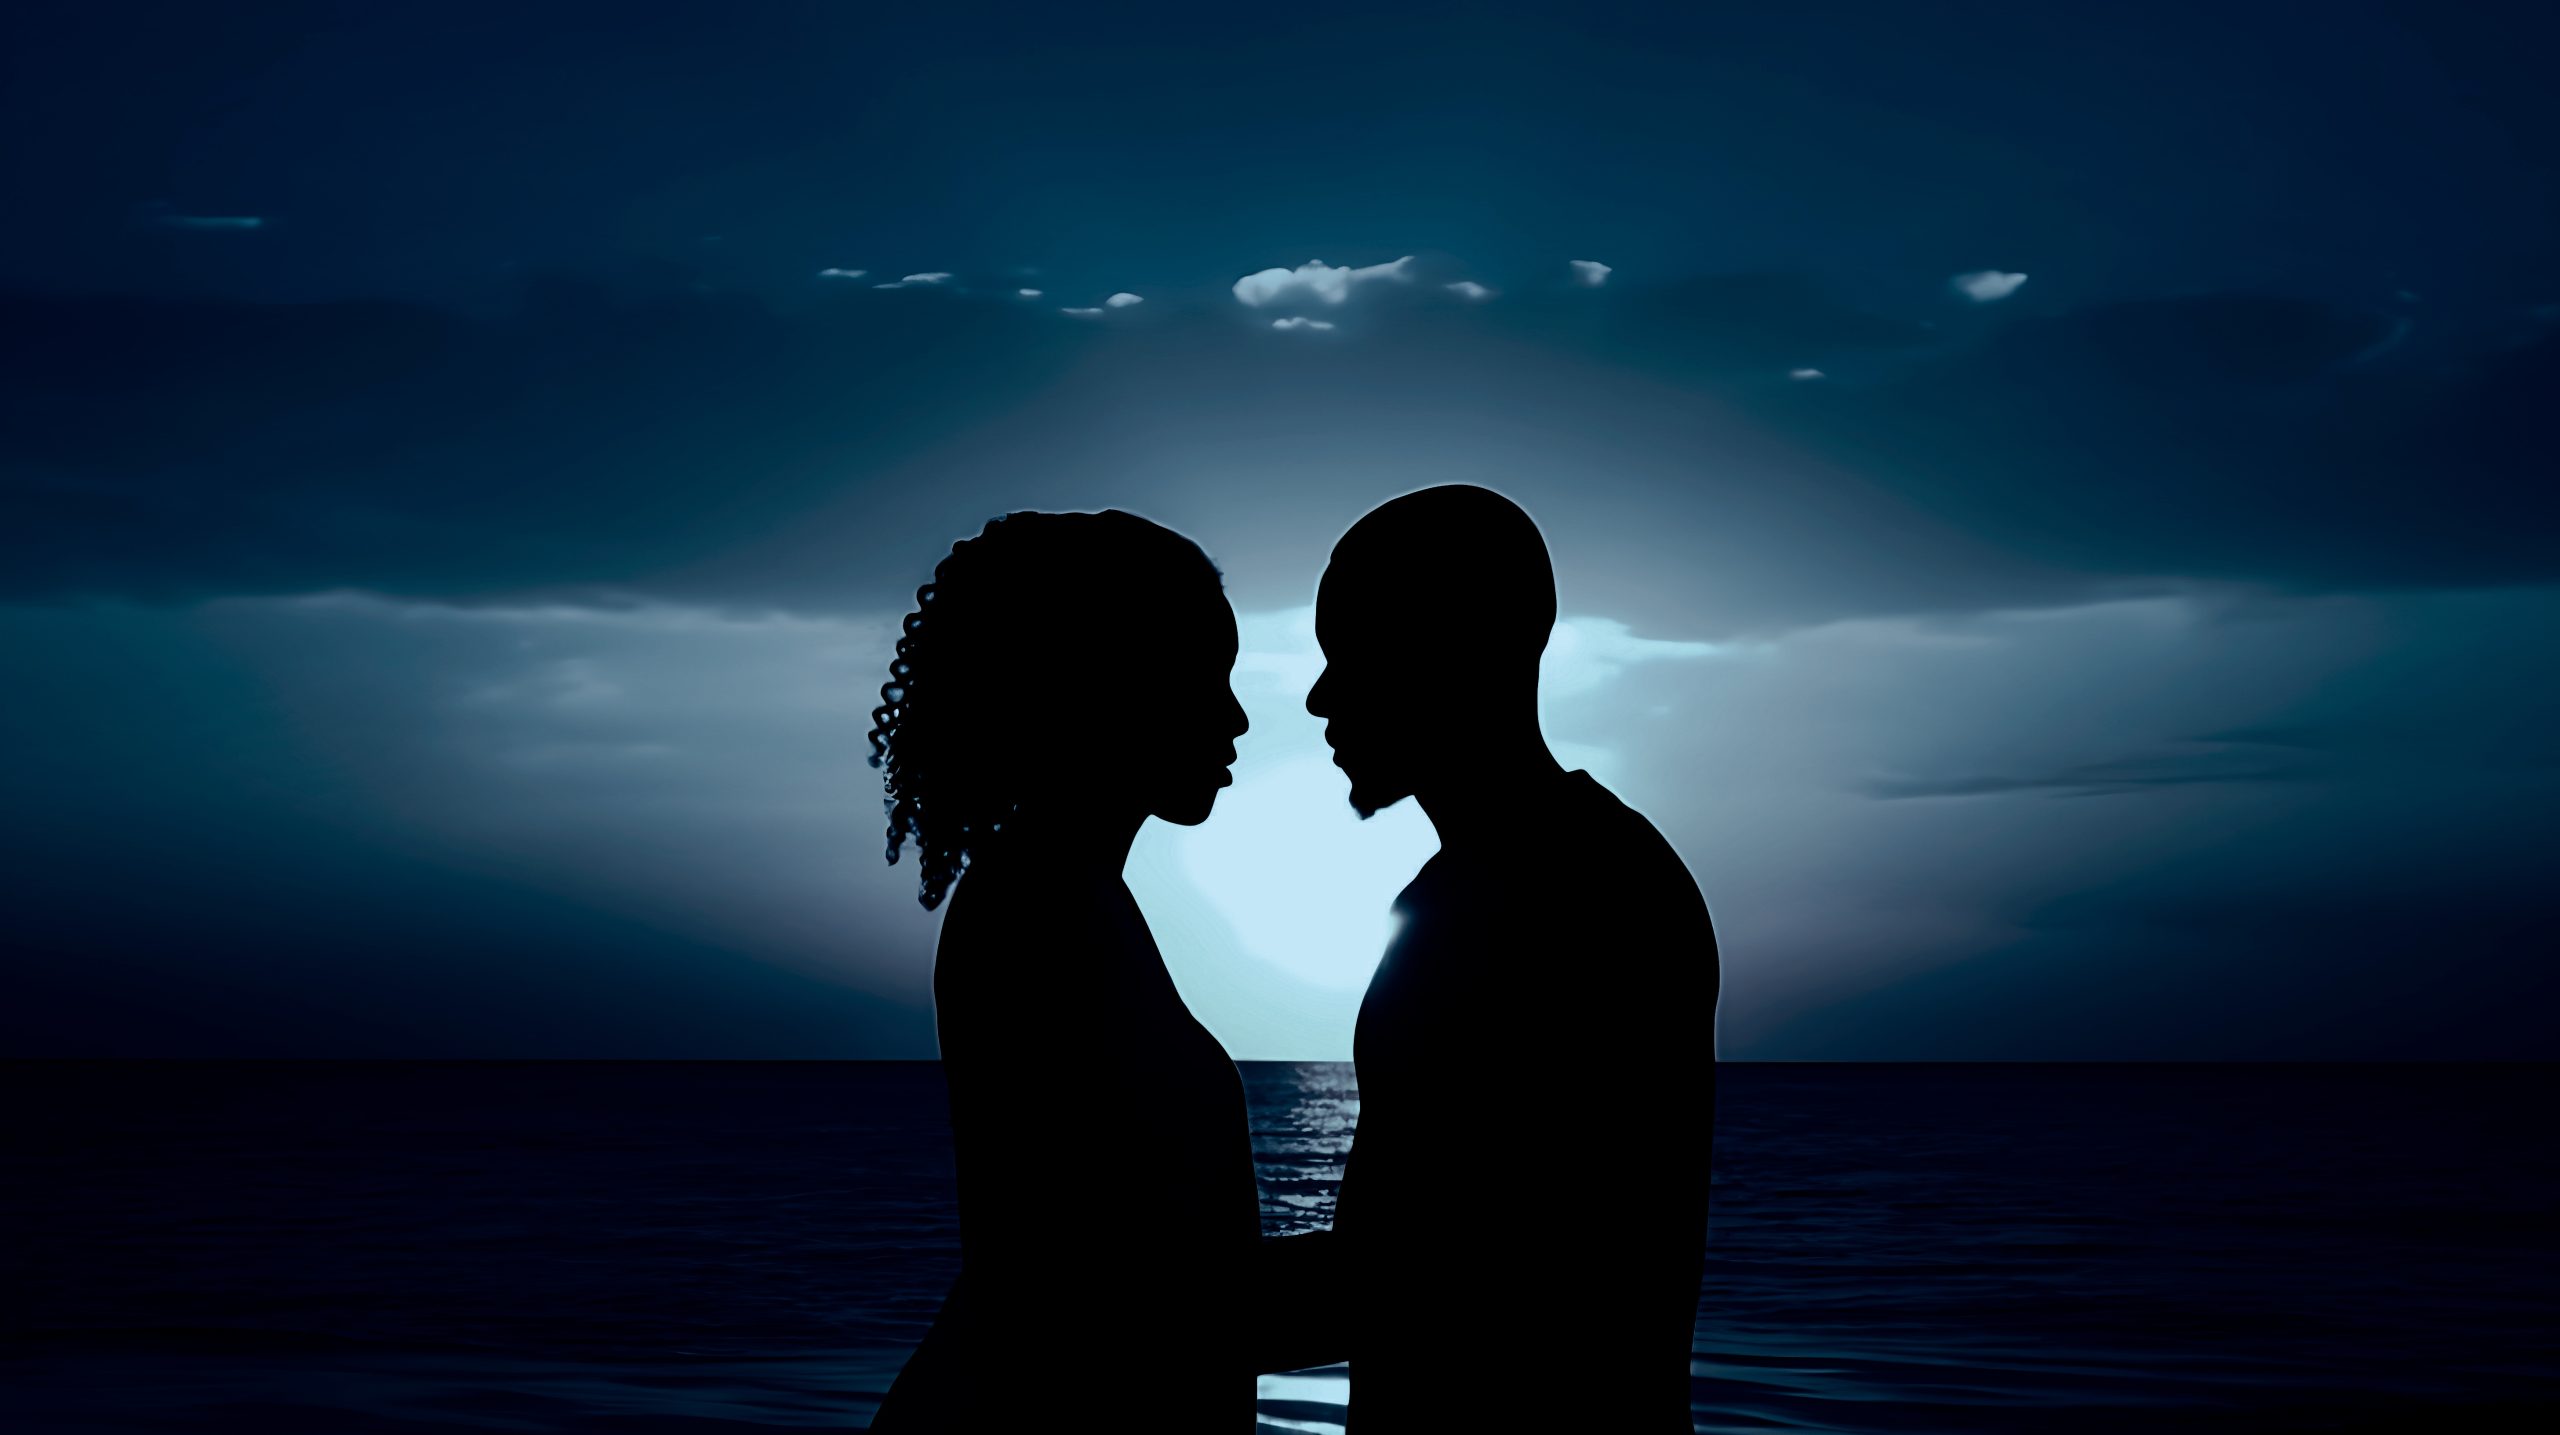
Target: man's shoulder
column 1592, row 862
column 1641, row 864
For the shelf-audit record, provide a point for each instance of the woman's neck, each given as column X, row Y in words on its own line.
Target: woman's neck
column 1067, row 837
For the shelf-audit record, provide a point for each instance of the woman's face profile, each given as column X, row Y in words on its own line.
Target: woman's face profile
column 1174, row 737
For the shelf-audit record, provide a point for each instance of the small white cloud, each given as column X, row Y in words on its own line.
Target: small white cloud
column 1315, row 281
column 1804, row 373
column 918, row 281
column 842, row 273
column 1084, row 313
column 1469, row 290
column 1987, row 286
column 1122, row 300
column 1028, row 293
column 233, row 222
column 1294, row 322
column 1589, row 273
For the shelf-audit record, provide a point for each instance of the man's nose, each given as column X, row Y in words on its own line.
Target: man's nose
column 1316, row 695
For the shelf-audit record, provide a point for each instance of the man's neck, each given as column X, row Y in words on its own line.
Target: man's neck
column 1480, row 802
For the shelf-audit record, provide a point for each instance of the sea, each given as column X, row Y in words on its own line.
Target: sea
column 309, row 1248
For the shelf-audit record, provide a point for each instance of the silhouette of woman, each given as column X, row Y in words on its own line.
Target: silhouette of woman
column 1063, row 678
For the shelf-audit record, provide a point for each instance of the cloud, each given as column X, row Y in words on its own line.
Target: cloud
column 301, row 446
column 210, row 223
column 918, row 281
column 1469, row 290
column 2195, row 762
column 1028, row 293
column 459, row 778
column 843, row 273
column 705, row 444
column 699, row 768
column 693, row 771
column 1986, row 286
column 2265, row 739
column 168, row 448
column 529, row 721
column 2219, row 435
column 1584, row 652
column 1297, row 322
column 1804, row 373
column 1590, row 273
column 1121, row 300
column 2273, row 753
column 1315, row 282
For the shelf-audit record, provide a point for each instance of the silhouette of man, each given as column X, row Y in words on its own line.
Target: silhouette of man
column 1522, row 1222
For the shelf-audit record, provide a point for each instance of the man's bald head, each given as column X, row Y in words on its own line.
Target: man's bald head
column 1431, row 615
column 1460, row 561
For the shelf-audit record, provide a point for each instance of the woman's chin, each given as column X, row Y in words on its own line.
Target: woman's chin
column 1191, row 808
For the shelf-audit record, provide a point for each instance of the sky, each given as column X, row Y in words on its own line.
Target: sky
column 2052, row 509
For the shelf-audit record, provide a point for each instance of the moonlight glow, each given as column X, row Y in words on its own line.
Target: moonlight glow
column 1285, row 875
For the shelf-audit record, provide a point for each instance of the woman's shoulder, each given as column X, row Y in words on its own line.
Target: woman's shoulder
column 996, row 895
column 1018, row 929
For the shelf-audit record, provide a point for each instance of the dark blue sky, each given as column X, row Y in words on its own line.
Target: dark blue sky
column 2052, row 507
column 443, row 151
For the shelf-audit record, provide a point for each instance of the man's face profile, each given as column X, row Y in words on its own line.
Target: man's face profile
column 1374, row 693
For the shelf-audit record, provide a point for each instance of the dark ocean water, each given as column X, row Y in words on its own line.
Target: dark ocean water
column 677, row 1247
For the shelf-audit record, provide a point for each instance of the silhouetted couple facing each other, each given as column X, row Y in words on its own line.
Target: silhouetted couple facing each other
column 1518, row 1237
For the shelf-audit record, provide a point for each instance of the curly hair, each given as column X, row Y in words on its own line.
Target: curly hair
column 994, row 633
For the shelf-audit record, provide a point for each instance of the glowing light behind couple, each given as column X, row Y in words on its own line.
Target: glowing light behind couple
column 1273, row 913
